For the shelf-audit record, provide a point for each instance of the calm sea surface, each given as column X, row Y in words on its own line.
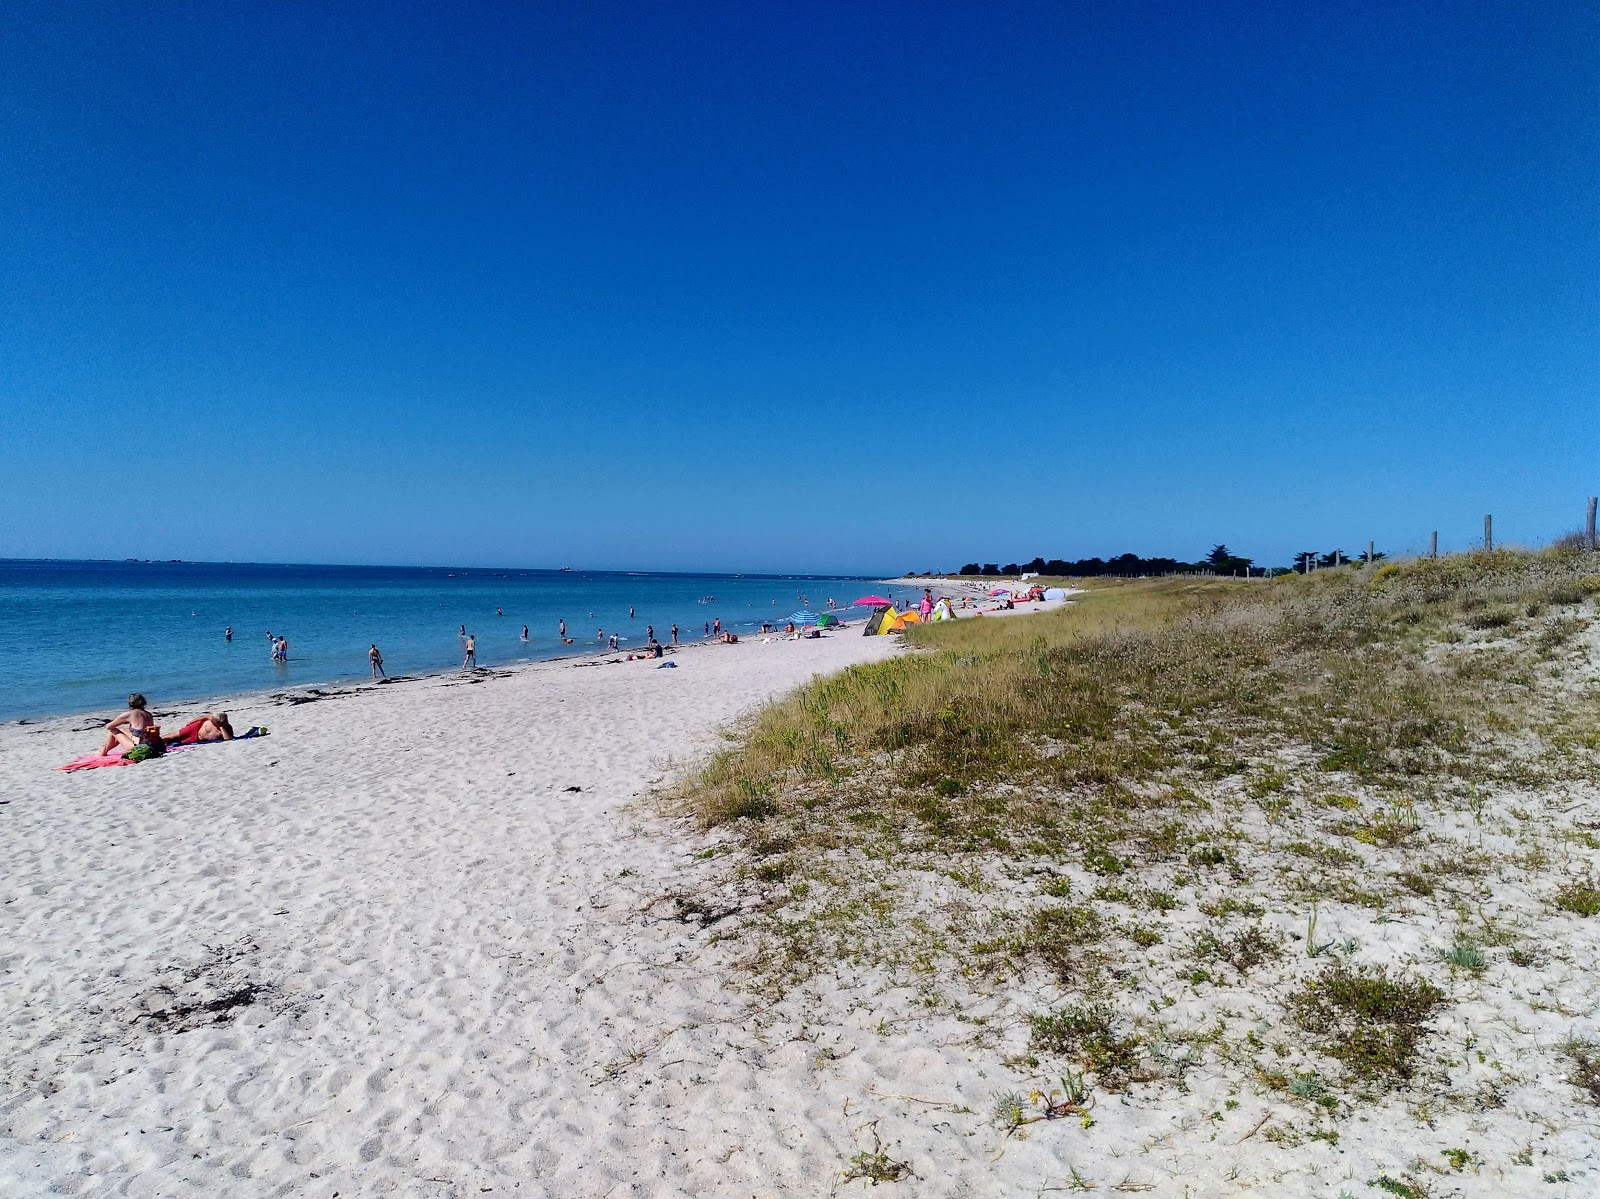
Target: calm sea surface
column 78, row 636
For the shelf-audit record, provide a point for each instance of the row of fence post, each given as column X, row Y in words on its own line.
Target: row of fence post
column 1589, row 542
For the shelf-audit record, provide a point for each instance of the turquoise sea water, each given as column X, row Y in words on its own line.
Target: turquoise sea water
column 78, row 636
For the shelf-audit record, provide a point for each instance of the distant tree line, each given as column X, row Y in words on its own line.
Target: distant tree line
column 1220, row 561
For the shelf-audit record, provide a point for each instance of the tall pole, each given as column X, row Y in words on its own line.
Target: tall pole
column 1433, row 545
column 1589, row 525
column 1488, row 532
column 1370, row 558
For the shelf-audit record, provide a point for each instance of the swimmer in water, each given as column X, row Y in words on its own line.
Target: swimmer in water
column 524, row 632
column 227, row 633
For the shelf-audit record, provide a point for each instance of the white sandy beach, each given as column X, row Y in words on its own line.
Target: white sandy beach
column 422, row 940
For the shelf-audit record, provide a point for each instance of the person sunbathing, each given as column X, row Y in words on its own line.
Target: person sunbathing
column 208, row 726
column 730, row 638
column 134, row 727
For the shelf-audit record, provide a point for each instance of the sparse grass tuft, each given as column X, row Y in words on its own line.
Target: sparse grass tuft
column 1244, row 951
column 1085, row 1035
column 1369, row 1021
column 1585, row 1058
column 1582, row 899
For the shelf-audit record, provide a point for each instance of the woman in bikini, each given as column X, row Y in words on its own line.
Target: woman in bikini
column 131, row 728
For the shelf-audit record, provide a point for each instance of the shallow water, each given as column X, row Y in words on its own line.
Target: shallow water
column 78, row 636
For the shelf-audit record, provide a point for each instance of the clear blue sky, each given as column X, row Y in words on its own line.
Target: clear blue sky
column 818, row 287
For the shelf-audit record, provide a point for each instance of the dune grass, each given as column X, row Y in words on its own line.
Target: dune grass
column 1143, row 679
column 1135, row 783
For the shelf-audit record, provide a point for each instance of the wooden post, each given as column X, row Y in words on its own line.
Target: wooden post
column 1370, row 558
column 1488, row 532
column 1433, row 545
column 1589, row 525
column 1338, row 555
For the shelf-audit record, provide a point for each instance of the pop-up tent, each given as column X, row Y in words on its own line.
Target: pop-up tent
column 827, row 621
column 880, row 621
column 1054, row 593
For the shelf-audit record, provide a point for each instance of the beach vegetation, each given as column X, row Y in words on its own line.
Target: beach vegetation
column 1086, row 1035
column 1128, row 803
column 1371, row 1022
column 1581, row 899
column 1584, row 1057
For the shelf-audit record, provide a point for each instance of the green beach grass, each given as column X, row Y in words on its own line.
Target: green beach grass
column 1158, row 781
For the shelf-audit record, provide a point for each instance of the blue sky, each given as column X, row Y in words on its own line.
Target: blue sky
column 794, row 286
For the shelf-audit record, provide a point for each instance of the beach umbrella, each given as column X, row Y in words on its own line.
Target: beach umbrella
column 999, row 591
column 803, row 618
column 874, row 601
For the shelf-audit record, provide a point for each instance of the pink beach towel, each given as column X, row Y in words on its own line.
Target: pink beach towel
column 91, row 761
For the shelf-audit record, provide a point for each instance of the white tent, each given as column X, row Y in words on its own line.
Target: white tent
column 1054, row 593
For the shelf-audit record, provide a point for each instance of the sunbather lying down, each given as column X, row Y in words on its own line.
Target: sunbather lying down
column 731, row 638
column 208, row 726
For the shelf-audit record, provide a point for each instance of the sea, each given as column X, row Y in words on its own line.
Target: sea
column 79, row 636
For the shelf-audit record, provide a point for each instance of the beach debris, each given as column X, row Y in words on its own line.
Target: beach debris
column 309, row 696
column 572, row 788
column 690, row 909
column 213, row 991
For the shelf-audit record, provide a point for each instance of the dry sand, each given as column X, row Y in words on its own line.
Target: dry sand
column 416, row 941
column 430, row 939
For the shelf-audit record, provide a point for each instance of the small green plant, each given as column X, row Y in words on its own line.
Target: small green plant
column 1585, row 1058
column 1314, row 948
column 1418, row 884
column 1010, row 1109
column 1085, row 1034
column 1411, row 1189
column 1372, row 1023
column 1268, row 782
column 1306, row 1086
column 1581, row 899
column 1244, row 951
column 1464, row 955
column 1230, row 905
column 1388, row 828
column 1061, row 938
column 1102, row 861
column 875, row 1167
column 1459, row 1159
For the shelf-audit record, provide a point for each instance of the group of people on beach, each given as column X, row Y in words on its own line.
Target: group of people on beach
column 469, row 659
column 136, row 729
